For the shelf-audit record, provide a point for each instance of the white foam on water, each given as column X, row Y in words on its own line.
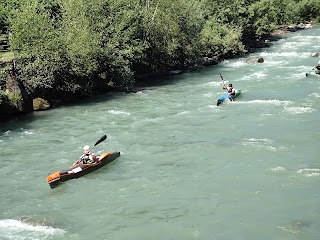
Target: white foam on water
column 274, row 62
column 15, row 229
column 305, row 38
column 296, row 75
column 309, row 172
column 209, row 95
column 294, row 45
column 7, row 133
column 140, row 93
column 278, row 169
column 316, row 95
column 256, row 75
column 299, row 110
column 268, row 57
column 183, row 113
column 280, row 54
column 260, row 143
column 118, row 112
column 267, row 102
column 28, row 132
column 217, row 83
column 234, row 64
column 238, row 64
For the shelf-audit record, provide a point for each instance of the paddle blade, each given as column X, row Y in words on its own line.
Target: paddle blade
column 104, row 137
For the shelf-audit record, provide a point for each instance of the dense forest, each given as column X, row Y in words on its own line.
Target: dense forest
column 77, row 47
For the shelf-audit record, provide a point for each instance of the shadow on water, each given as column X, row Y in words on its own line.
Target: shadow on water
column 21, row 121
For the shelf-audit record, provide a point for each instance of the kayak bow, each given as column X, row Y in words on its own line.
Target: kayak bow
column 312, row 73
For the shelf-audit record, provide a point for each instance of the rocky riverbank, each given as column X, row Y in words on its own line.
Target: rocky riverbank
column 17, row 101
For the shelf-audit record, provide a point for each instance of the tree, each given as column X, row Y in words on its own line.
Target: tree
column 265, row 15
column 220, row 39
column 38, row 46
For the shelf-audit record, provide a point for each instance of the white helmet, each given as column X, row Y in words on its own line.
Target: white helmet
column 86, row 147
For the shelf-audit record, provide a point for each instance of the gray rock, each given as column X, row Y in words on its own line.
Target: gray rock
column 254, row 60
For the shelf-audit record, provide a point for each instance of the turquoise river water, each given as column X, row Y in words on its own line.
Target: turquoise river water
column 188, row 169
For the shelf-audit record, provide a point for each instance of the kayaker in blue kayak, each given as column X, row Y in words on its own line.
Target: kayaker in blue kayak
column 317, row 68
column 231, row 91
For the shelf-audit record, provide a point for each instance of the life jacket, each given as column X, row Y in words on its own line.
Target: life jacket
column 230, row 91
column 86, row 158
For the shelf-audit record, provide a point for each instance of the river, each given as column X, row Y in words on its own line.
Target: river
column 188, row 169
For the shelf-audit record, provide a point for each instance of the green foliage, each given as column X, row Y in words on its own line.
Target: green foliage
column 6, row 6
column 38, row 45
column 221, row 39
column 3, row 19
column 116, row 23
column 80, row 41
column 78, row 45
column 308, row 10
column 14, row 97
column 171, row 34
column 227, row 11
column 265, row 15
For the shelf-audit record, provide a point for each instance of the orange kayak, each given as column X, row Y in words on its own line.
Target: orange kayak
column 78, row 170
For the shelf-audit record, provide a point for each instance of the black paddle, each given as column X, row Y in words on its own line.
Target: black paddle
column 104, row 137
column 219, row 101
column 222, row 79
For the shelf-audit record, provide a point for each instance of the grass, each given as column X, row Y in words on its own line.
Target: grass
column 6, row 56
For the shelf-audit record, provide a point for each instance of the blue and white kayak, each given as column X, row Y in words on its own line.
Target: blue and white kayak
column 226, row 97
column 312, row 73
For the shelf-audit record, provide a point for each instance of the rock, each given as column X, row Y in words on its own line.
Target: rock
column 17, row 99
column 40, row 104
column 254, row 60
column 207, row 61
column 315, row 55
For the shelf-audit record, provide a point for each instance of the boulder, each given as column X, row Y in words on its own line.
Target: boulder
column 18, row 98
column 315, row 55
column 207, row 61
column 40, row 104
column 254, row 60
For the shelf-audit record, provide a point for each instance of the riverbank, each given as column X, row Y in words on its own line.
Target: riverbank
column 14, row 106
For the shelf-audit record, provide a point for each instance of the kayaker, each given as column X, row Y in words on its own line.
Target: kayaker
column 87, row 156
column 231, row 91
column 317, row 68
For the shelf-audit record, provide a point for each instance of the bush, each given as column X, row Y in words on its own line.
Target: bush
column 308, row 10
column 221, row 39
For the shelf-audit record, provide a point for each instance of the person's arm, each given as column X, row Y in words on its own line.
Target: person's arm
column 224, row 87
